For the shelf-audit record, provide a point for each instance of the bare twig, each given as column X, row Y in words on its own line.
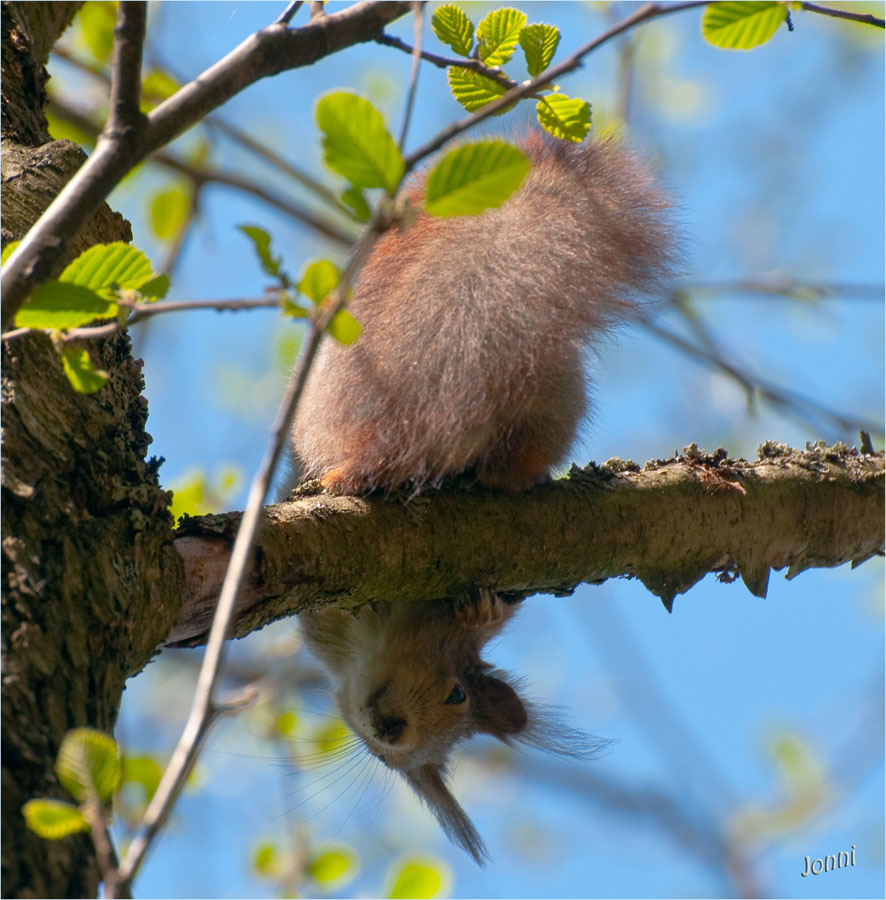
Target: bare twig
column 642, row 14
column 286, row 16
column 789, row 288
column 105, row 855
column 418, row 21
column 864, row 18
column 444, row 62
column 216, row 123
column 124, row 114
column 200, row 176
column 803, row 408
column 267, row 52
column 204, row 709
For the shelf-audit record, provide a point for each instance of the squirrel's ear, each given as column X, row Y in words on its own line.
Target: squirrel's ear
column 497, row 708
column 427, row 781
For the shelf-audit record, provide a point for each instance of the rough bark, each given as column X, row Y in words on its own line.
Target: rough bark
column 668, row 525
column 89, row 577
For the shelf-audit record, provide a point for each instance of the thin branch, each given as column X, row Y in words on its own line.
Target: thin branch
column 643, row 14
column 444, row 62
column 124, row 113
column 272, row 50
column 204, row 708
column 789, row 288
column 418, row 21
column 212, row 122
column 234, row 180
column 789, row 401
column 286, row 16
column 864, row 18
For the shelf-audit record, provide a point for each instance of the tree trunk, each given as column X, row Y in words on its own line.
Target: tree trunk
column 90, row 576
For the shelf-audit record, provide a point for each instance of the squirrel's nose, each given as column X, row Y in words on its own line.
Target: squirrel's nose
column 389, row 728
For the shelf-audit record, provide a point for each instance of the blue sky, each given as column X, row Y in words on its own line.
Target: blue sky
column 776, row 159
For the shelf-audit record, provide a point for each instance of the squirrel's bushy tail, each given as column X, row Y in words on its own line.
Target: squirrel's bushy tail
column 471, row 354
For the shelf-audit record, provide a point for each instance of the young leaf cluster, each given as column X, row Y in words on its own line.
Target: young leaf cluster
column 88, row 766
column 466, row 181
column 497, row 36
column 101, row 283
column 316, row 282
column 744, row 25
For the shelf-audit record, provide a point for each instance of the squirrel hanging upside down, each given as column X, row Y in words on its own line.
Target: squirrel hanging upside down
column 472, row 353
column 471, row 359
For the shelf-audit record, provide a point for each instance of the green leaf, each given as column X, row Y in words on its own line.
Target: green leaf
column 292, row 309
column 88, row 757
column 356, row 143
column 319, row 279
column 265, row 860
column 155, row 288
column 334, row 867
column 144, row 771
column 474, row 177
column 97, row 25
column 344, row 327
column 454, row 28
column 82, row 374
column 564, row 117
column 285, row 723
column 106, row 266
column 58, row 305
column 742, row 25
column 8, row 250
column 328, row 740
column 354, row 199
column 169, row 212
column 261, row 240
column 158, row 85
column 498, row 34
column 474, row 90
column 539, row 43
column 54, row 819
column 416, row 880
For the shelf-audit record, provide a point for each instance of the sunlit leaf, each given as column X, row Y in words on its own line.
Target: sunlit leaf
column 261, row 241
column 83, row 376
column 454, row 28
column 474, row 90
column 97, row 27
column 354, row 199
column 54, row 819
column 285, row 723
column 155, row 288
column 169, row 211
column 564, row 117
column 417, row 880
column 344, row 327
column 474, row 177
column 144, row 771
column 106, row 266
column 742, row 25
column 356, row 143
column 498, row 34
column 8, row 250
column 58, row 305
column 265, row 860
column 539, row 43
column 88, row 760
column 319, row 279
column 334, row 867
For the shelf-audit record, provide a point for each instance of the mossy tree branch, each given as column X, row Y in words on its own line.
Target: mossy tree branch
column 668, row 525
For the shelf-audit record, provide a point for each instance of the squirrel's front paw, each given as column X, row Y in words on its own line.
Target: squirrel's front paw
column 486, row 608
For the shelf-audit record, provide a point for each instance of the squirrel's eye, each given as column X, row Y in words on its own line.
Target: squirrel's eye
column 456, row 695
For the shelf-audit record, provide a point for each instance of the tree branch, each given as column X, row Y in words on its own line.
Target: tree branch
column 124, row 114
column 272, row 50
column 864, row 18
column 667, row 525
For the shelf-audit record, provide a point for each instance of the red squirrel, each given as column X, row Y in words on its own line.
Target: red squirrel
column 472, row 353
column 471, row 359
column 409, row 680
